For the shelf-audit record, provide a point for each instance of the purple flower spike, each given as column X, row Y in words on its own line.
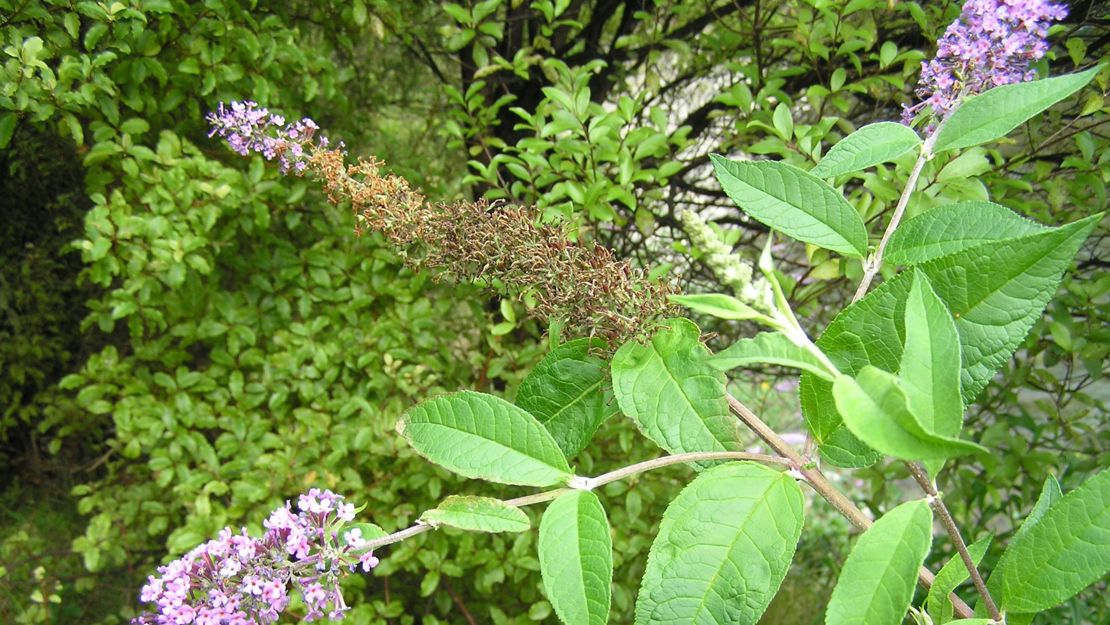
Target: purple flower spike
column 250, row 128
column 993, row 43
column 241, row 580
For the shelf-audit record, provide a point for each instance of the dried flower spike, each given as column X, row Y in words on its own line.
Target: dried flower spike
column 504, row 247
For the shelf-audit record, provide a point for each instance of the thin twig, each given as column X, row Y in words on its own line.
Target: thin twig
column 821, row 484
column 663, row 461
column 458, row 602
column 922, row 478
column 875, row 261
column 586, row 483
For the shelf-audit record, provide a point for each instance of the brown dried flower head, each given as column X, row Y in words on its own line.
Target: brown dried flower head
column 507, row 248
column 504, row 247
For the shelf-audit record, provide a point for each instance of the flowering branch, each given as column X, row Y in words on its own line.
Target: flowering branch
column 241, row 579
column 994, row 42
column 592, row 483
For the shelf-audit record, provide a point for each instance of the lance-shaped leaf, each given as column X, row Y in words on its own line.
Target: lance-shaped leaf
column 723, row 548
column 843, row 449
column 772, row 348
column 953, row 228
column 477, row 514
column 566, row 393
column 1064, row 552
column 930, row 367
column 576, row 558
column 994, row 113
column 718, row 305
column 995, row 291
column 1050, row 494
column 952, row 574
column 485, row 437
column 794, row 202
column 875, row 409
column 876, row 584
column 672, row 393
column 870, row 145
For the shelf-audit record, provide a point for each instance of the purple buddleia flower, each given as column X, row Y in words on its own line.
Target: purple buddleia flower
column 994, row 42
column 250, row 128
column 238, row 579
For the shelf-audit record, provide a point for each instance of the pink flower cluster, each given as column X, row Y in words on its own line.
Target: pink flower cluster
column 238, row 579
column 250, row 128
column 994, row 42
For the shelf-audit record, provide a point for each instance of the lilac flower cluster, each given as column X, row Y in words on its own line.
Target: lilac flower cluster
column 241, row 580
column 250, row 128
column 994, row 42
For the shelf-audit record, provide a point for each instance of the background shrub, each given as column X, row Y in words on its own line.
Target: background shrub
column 187, row 338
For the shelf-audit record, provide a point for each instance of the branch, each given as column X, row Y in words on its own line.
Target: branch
column 821, row 484
column 580, row 483
column 875, row 261
column 949, row 524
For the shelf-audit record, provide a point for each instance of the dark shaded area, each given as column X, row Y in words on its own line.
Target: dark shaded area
column 42, row 302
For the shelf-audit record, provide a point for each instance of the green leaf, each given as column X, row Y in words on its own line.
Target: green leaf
column 1050, row 494
column 953, row 228
column 877, row 581
column 576, row 558
column 565, row 392
column 723, row 548
column 952, row 574
column 868, row 146
column 672, row 393
column 1063, row 553
column 485, row 437
column 994, row 113
column 477, row 514
column 717, row 305
column 930, row 367
column 842, row 449
column 793, row 202
column 367, row 531
column 874, row 408
column 359, row 13
column 8, row 121
column 769, row 347
column 783, row 121
column 996, row 292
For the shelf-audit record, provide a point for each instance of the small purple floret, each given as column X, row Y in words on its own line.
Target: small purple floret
column 250, row 128
column 994, row 42
column 241, row 580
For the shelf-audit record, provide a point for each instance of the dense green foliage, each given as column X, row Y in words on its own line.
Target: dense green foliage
column 188, row 338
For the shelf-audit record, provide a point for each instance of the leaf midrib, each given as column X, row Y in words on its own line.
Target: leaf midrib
column 572, row 402
column 495, row 442
column 689, row 402
column 822, row 193
column 761, row 501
